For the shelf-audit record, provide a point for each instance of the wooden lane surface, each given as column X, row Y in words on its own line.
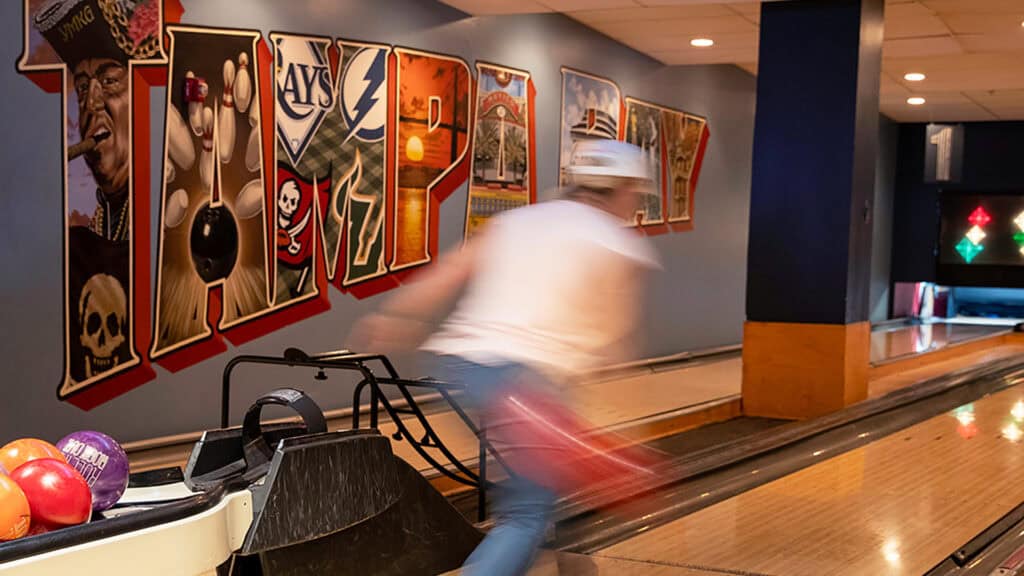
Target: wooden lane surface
column 563, row 564
column 649, row 398
column 897, row 506
column 607, row 404
column 923, row 338
column 919, row 370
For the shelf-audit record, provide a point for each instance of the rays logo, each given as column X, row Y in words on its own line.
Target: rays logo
column 305, row 92
column 364, row 90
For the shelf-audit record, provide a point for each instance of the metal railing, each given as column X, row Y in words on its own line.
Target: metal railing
column 430, row 447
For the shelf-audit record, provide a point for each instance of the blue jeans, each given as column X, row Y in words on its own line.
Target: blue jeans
column 522, row 508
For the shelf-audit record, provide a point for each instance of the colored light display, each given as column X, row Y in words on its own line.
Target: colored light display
column 979, row 217
column 976, row 235
column 970, row 246
column 969, row 250
column 981, row 240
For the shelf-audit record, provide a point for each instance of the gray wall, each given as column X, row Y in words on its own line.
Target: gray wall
column 697, row 302
column 881, row 241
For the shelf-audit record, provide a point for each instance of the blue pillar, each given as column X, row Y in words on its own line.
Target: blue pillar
column 806, row 345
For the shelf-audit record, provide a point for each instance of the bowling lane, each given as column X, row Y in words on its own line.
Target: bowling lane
column 892, row 343
column 899, row 505
column 563, row 564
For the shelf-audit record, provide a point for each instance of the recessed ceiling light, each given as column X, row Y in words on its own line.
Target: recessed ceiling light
column 915, row 100
column 914, row 76
column 702, row 42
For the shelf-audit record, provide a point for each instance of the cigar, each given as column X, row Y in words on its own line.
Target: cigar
column 85, row 146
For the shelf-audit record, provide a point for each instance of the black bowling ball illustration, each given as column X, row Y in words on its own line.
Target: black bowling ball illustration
column 214, row 242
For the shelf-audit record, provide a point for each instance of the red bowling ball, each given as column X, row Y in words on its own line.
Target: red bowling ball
column 57, row 494
column 542, row 439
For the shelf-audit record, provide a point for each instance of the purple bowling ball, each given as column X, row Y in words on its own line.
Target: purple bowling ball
column 101, row 461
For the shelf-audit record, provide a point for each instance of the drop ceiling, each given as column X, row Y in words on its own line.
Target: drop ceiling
column 972, row 51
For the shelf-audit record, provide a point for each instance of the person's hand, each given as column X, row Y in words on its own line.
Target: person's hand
column 385, row 334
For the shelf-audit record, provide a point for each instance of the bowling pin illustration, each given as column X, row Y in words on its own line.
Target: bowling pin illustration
column 254, row 116
column 177, row 208
column 195, row 107
column 206, row 158
column 226, row 120
column 180, row 147
column 252, row 150
column 243, row 84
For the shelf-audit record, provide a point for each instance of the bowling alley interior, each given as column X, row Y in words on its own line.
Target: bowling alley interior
column 247, row 239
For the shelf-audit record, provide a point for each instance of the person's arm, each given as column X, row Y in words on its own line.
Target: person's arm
column 402, row 320
column 435, row 286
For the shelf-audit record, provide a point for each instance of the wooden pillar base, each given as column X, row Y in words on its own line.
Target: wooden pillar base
column 804, row 370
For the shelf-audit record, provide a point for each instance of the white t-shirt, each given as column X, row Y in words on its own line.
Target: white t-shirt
column 555, row 287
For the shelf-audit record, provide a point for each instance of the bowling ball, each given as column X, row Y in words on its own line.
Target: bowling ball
column 20, row 451
column 101, row 461
column 57, row 494
column 543, row 439
column 36, row 529
column 214, row 242
column 15, row 513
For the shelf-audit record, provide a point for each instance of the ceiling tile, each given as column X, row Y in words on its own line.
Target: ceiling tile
column 973, row 23
column 951, row 113
column 749, row 67
column 723, row 43
column 997, row 97
column 913, row 26
column 916, row 47
column 746, row 7
column 971, row 50
column 680, row 27
column 940, row 106
column 909, row 9
column 646, row 14
column 891, row 86
column 954, row 73
column 688, row 57
column 569, row 5
column 1013, row 43
column 973, row 6
column 487, row 7
column 678, row 2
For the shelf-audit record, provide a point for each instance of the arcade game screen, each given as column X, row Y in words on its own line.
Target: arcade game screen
column 981, row 240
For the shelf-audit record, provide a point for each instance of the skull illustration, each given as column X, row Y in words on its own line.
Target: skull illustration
column 287, row 203
column 102, row 313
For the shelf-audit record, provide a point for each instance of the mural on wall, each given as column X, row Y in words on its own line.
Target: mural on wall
column 341, row 188
column 304, row 97
column 501, row 170
column 212, row 231
column 432, row 139
column 331, row 120
column 686, row 139
column 643, row 128
column 92, row 52
column 591, row 108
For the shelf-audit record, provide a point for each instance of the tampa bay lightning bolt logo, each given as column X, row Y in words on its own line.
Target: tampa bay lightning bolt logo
column 305, row 93
column 364, row 87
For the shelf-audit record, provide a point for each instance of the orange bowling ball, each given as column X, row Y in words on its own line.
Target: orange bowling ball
column 20, row 451
column 15, row 516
